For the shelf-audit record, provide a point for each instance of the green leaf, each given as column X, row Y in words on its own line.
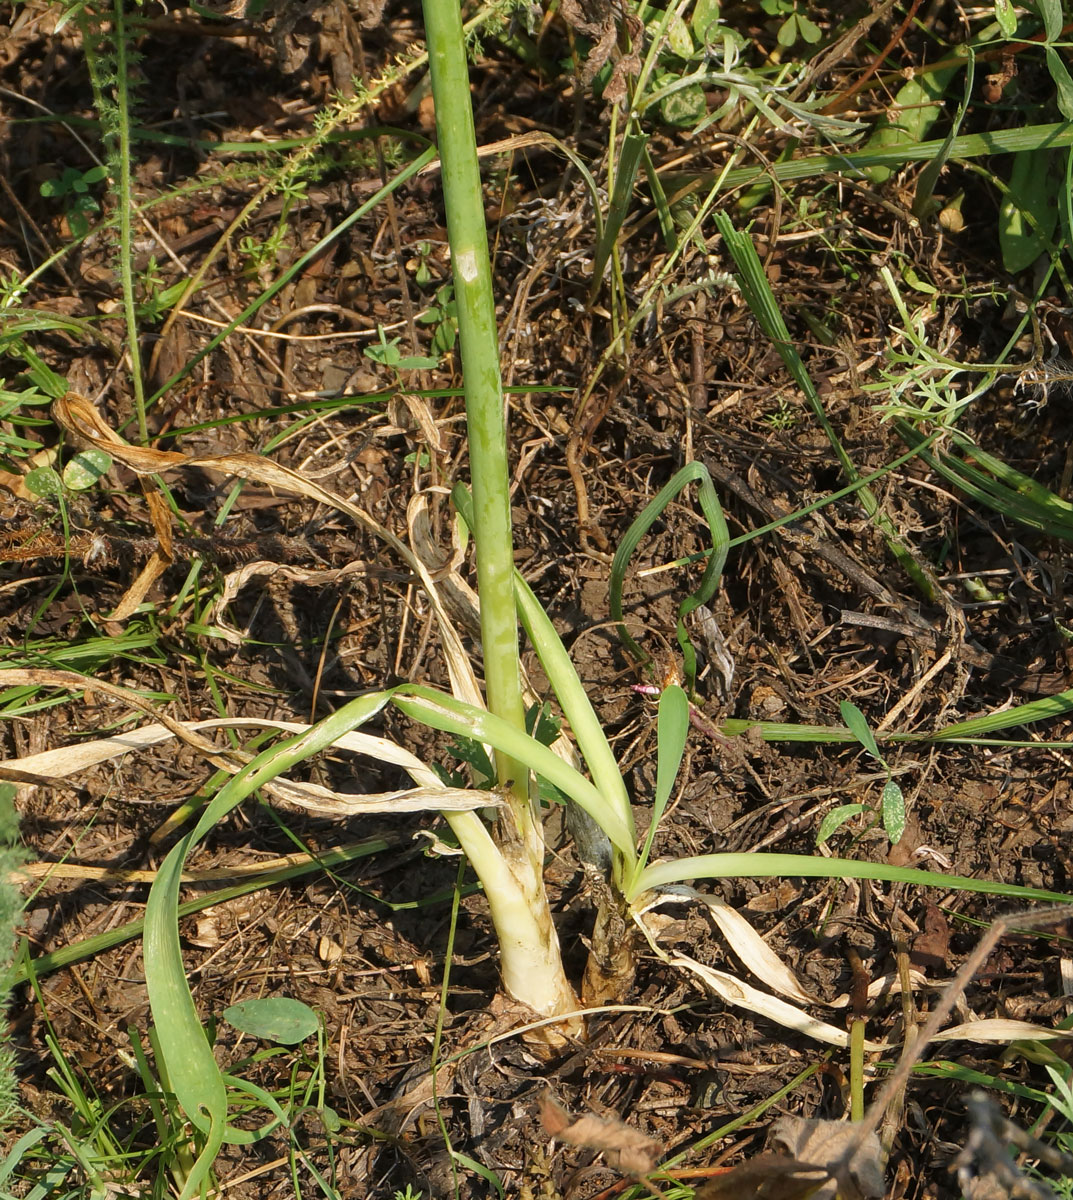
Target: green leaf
column 836, row 818
column 274, row 1018
column 477, row 1168
column 704, row 20
column 443, row 340
column 1051, row 12
column 1029, row 210
column 893, row 811
column 1006, row 18
column 916, row 283
column 43, row 375
column 679, row 39
column 809, row 31
column 807, row 866
column 684, row 107
column 542, row 723
column 713, row 512
column 787, row 34
column 86, row 468
column 417, row 362
column 858, row 726
column 43, row 481
column 1062, row 82
column 474, row 754
column 672, row 728
column 916, row 108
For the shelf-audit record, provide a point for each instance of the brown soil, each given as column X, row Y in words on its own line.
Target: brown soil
column 699, row 381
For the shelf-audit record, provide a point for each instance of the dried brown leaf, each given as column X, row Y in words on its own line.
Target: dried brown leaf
column 766, row 1177
column 625, row 1149
column 825, row 1143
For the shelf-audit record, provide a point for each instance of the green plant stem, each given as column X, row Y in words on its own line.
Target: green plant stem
column 511, row 866
column 856, row 1069
column 126, row 207
column 479, row 344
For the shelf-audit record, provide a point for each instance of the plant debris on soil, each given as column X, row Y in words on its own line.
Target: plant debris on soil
column 807, row 616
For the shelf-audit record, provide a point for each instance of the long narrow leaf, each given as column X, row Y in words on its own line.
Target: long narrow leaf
column 694, row 472
column 189, row 1065
column 444, row 712
column 761, row 300
column 672, row 728
column 804, row 866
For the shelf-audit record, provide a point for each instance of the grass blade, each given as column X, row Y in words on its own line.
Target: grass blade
column 804, row 866
column 693, row 472
column 761, row 300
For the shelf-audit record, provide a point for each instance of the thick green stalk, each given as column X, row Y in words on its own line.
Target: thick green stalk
column 479, row 343
column 511, row 867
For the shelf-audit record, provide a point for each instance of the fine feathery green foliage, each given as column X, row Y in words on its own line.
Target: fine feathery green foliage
column 10, row 911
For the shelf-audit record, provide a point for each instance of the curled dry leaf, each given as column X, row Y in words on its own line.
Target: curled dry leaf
column 78, row 417
column 766, row 1177
column 742, row 995
column 625, row 1149
column 825, row 1143
column 746, row 943
column 431, row 794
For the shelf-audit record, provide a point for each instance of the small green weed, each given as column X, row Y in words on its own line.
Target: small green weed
column 389, row 354
column 783, row 417
column 442, row 313
column 794, row 25
column 155, row 297
column 892, row 805
column 73, row 189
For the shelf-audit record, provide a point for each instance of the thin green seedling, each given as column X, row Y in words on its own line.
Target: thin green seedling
column 799, row 513
column 996, row 485
column 437, row 1034
column 299, row 265
column 761, row 300
column 111, row 57
column 892, row 805
column 1054, row 136
column 716, row 559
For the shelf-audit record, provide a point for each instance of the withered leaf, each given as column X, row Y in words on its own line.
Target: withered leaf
column 624, row 1148
column 826, row 1142
column 766, row 1177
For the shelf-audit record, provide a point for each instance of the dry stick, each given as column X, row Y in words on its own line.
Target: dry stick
column 898, row 1078
column 841, row 102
